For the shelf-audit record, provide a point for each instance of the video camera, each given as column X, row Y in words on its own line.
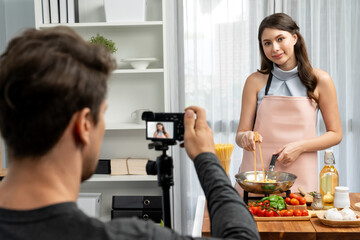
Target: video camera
column 164, row 127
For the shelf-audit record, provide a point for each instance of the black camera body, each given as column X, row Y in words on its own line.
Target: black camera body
column 164, row 127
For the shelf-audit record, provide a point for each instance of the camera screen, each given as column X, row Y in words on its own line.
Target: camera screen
column 155, row 129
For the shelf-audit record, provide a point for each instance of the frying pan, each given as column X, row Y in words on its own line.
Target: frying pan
column 284, row 180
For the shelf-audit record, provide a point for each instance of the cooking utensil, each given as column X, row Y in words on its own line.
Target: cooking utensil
column 308, row 197
column 272, row 162
column 283, row 180
column 257, row 140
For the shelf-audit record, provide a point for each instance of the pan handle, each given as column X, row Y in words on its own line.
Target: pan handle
column 272, row 162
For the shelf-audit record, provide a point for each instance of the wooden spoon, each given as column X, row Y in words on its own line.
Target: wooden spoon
column 308, row 197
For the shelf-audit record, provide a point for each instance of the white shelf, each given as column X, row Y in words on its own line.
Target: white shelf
column 122, row 178
column 149, row 70
column 124, row 126
column 104, row 24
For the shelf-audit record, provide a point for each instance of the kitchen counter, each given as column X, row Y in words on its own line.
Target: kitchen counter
column 312, row 229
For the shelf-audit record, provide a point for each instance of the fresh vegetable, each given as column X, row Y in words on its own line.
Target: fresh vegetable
column 264, row 198
column 312, row 193
column 261, row 212
column 328, row 198
column 277, row 213
column 287, row 200
column 254, row 210
column 274, row 206
column 297, row 212
column 266, row 203
column 294, row 195
column 302, row 200
column 275, row 198
column 281, row 205
column 289, row 213
column 294, row 201
column 304, row 212
column 269, row 213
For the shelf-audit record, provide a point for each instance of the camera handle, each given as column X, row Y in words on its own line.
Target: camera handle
column 165, row 178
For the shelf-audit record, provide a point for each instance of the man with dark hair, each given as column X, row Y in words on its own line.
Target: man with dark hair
column 52, row 104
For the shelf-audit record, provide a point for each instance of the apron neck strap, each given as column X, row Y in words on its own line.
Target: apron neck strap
column 268, row 83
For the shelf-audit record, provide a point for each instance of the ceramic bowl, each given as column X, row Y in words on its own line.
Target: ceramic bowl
column 139, row 63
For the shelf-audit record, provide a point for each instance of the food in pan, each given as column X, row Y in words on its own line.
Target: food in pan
column 266, row 180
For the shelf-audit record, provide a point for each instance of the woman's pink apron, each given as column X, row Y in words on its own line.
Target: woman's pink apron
column 281, row 120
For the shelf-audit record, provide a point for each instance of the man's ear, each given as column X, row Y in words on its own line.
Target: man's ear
column 82, row 126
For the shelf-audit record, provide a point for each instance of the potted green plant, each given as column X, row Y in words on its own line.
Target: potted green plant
column 107, row 43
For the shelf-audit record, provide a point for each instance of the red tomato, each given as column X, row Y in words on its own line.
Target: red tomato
column 283, row 213
column 289, row 213
column 294, row 201
column 254, row 210
column 297, row 212
column 302, row 200
column 266, row 203
column 269, row 213
column 294, row 195
column 287, row 200
column 304, row 212
column 261, row 212
column 277, row 213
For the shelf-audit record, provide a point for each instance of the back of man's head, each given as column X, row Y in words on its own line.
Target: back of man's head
column 45, row 77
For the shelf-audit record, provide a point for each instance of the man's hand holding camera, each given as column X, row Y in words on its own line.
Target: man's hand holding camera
column 198, row 137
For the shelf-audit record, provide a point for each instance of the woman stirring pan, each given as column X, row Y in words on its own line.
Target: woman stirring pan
column 280, row 101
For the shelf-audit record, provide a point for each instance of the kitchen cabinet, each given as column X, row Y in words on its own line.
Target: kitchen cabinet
column 128, row 90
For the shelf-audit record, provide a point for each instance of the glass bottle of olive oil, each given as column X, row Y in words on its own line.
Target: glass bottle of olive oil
column 329, row 179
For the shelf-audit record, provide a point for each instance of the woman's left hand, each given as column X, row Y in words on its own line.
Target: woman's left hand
column 289, row 153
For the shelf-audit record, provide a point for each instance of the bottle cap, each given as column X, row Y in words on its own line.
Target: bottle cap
column 329, row 157
column 317, row 195
column 341, row 189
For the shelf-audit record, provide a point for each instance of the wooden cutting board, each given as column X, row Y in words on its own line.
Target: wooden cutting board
column 312, row 214
column 292, row 218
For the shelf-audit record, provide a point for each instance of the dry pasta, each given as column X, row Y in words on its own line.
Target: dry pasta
column 223, row 152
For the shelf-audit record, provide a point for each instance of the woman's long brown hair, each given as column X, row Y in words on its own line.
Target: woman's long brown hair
column 283, row 22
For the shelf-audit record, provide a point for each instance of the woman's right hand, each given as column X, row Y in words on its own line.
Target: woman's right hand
column 246, row 140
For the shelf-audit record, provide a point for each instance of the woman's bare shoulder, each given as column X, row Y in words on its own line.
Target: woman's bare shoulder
column 257, row 80
column 258, row 76
column 324, row 82
column 321, row 75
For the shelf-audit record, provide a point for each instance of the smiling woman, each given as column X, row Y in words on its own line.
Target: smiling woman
column 281, row 100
